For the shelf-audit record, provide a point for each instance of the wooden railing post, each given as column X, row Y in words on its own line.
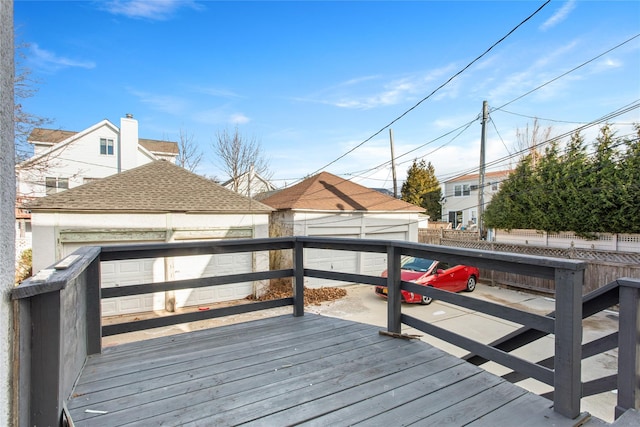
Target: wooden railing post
column 568, row 342
column 298, row 279
column 628, row 346
column 394, row 299
column 94, row 308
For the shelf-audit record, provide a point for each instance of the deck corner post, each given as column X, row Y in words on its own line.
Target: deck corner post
column 94, row 311
column 45, row 397
column 394, row 299
column 298, row 279
column 568, row 342
column 628, row 347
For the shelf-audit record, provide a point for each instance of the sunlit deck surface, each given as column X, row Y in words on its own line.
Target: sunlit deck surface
column 285, row 370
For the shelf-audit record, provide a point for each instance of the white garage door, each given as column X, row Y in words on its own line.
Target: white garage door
column 208, row 266
column 135, row 272
column 374, row 264
column 123, row 273
column 330, row 260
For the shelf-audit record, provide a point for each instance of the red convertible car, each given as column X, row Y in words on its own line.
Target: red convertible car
column 438, row 274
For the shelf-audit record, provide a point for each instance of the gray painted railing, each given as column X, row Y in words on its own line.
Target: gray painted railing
column 59, row 313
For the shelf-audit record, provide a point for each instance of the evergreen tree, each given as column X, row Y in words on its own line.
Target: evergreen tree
column 422, row 188
column 627, row 218
column 514, row 206
column 573, row 191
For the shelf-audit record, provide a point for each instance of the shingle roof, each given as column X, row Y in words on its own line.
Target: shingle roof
column 493, row 174
column 329, row 192
column 156, row 146
column 55, row 136
column 158, row 186
column 50, row 135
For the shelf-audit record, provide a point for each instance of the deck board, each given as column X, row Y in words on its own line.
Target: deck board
column 311, row 370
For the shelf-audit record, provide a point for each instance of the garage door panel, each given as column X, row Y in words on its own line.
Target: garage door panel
column 330, row 260
column 211, row 266
column 374, row 264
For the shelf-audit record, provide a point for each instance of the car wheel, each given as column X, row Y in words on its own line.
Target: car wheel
column 425, row 300
column 471, row 284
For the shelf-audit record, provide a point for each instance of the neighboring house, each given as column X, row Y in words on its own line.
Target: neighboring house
column 156, row 202
column 460, row 201
column 64, row 159
column 249, row 184
column 330, row 206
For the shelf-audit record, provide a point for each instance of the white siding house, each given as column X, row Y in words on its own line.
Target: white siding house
column 460, row 197
column 249, row 184
column 64, row 159
column 329, row 206
column 157, row 202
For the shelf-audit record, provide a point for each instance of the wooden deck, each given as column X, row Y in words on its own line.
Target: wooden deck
column 286, row 370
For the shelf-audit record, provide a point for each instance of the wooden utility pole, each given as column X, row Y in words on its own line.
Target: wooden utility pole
column 485, row 115
column 393, row 165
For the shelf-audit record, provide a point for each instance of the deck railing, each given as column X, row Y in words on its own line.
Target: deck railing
column 59, row 322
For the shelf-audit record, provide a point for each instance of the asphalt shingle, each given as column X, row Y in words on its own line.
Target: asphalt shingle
column 329, row 192
column 158, row 186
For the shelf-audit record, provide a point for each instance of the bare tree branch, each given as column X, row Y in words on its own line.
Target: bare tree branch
column 238, row 154
column 189, row 156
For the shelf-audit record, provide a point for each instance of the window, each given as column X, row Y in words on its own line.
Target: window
column 457, row 190
column 494, row 186
column 106, row 146
column 55, row 185
column 465, row 190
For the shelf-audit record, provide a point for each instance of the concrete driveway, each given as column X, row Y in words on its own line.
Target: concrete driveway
column 362, row 305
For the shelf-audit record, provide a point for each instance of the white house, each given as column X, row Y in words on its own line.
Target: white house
column 64, row 159
column 460, row 197
column 329, row 206
column 156, row 202
column 250, row 184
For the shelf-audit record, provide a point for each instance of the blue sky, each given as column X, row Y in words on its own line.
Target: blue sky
column 313, row 80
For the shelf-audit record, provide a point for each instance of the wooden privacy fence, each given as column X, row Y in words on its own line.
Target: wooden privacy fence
column 602, row 266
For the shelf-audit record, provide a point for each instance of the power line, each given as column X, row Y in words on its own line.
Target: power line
column 435, row 90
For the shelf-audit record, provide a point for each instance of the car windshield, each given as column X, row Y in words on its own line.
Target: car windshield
column 416, row 264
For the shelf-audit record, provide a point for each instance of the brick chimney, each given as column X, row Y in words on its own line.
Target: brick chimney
column 128, row 143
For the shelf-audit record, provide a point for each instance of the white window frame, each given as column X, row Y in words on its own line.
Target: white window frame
column 108, row 145
column 59, row 184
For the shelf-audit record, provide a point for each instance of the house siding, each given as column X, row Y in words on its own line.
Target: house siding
column 7, row 211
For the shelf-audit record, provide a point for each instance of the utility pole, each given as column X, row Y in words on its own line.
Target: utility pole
column 485, row 115
column 393, row 165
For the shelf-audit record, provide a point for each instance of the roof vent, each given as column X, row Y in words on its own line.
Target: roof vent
column 129, row 116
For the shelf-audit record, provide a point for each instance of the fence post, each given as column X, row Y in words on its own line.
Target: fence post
column 298, row 279
column 394, row 299
column 628, row 346
column 568, row 342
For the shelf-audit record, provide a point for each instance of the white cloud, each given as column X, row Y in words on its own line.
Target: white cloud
column 397, row 91
column 559, row 16
column 213, row 91
column 238, row 119
column 49, row 61
column 157, row 10
column 165, row 103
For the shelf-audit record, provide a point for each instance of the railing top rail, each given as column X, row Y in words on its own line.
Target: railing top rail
column 532, row 265
column 52, row 279
column 56, row 277
column 629, row 281
column 153, row 250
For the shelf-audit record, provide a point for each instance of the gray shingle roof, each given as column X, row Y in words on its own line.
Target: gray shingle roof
column 158, row 186
column 55, row 136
